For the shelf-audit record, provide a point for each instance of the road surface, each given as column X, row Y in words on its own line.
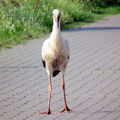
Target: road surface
column 92, row 77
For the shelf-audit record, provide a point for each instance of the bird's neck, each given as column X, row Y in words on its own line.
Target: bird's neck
column 56, row 28
column 56, row 37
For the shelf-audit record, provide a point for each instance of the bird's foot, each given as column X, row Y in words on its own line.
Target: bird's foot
column 65, row 108
column 48, row 112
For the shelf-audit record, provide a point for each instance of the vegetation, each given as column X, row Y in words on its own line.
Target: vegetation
column 104, row 3
column 22, row 20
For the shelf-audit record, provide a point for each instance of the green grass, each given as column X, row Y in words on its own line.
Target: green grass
column 20, row 22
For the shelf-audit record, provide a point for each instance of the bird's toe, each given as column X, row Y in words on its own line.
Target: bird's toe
column 66, row 109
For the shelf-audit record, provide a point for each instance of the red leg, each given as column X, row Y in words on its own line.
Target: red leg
column 65, row 108
column 49, row 101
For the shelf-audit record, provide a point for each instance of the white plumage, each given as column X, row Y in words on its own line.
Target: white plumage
column 55, row 50
column 55, row 56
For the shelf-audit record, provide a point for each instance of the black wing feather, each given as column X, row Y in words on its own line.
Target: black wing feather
column 68, row 57
column 55, row 73
column 44, row 64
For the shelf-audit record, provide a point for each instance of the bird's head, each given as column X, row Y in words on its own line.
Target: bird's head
column 56, row 17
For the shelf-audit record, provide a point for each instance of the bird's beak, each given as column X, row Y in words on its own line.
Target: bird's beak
column 58, row 19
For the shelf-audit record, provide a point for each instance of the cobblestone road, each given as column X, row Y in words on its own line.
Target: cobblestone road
column 92, row 77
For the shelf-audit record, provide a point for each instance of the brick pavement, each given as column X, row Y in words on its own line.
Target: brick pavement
column 92, row 77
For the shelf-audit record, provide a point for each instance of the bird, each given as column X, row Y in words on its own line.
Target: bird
column 55, row 57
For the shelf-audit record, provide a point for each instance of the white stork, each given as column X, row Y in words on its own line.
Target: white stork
column 55, row 56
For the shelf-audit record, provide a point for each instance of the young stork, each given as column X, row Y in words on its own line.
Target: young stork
column 55, row 56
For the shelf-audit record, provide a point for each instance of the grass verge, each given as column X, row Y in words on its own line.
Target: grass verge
column 23, row 21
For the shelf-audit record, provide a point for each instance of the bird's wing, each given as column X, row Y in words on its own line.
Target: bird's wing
column 66, row 48
column 44, row 51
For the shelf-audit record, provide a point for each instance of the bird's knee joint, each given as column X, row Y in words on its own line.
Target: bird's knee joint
column 63, row 85
column 50, row 88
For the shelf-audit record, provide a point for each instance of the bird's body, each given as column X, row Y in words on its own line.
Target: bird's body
column 55, row 53
column 55, row 56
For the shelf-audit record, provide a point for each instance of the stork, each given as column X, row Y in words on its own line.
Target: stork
column 55, row 56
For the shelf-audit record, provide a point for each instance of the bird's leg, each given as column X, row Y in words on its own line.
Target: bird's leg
column 65, row 108
column 50, row 89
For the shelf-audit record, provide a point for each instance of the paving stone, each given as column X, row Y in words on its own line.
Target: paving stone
column 92, row 77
